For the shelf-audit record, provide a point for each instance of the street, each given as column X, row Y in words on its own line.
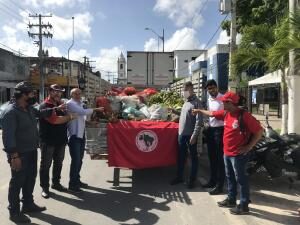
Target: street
column 145, row 197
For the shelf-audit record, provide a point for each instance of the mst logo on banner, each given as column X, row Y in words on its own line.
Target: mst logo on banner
column 146, row 140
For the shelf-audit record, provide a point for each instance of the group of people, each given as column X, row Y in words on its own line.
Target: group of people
column 64, row 123
column 231, row 133
column 59, row 124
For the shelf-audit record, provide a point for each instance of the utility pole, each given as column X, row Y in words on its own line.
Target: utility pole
column 232, row 40
column 293, row 81
column 109, row 74
column 40, row 35
column 90, row 69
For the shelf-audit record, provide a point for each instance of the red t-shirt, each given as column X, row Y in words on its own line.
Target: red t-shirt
column 233, row 138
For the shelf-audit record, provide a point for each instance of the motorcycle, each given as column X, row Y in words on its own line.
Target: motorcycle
column 278, row 154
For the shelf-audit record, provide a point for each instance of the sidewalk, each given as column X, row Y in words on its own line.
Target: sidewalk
column 274, row 121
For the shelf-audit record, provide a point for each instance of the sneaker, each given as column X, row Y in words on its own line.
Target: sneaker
column 33, row 208
column 227, row 203
column 19, row 218
column 45, row 193
column 59, row 187
column 83, row 185
column 177, row 180
column 240, row 210
column 75, row 190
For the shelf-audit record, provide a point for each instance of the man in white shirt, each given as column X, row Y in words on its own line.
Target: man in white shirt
column 76, row 136
column 215, row 141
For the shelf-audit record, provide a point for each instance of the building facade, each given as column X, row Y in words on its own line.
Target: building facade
column 182, row 58
column 13, row 69
column 122, row 78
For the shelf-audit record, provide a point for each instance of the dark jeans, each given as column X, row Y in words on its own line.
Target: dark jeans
column 49, row 153
column 215, row 155
column 76, row 146
column 235, row 167
column 23, row 179
column 184, row 145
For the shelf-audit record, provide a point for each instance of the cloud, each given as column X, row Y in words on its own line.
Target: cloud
column 223, row 38
column 183, row 39
column 108, row 58
column 9, row 38
column 63, row 28
column 55, row 3
column 78, row 54
column 182, row 12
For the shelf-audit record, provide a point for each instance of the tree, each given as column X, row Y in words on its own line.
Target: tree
column 256, row 12
column 267, row 47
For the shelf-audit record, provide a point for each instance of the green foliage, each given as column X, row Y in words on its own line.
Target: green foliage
column 167, row 98
column 256, row 12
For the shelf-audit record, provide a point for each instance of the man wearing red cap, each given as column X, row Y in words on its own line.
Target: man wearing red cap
column 53, row 135
column 240, row 135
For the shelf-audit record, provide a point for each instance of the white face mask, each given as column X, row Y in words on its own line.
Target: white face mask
column 186, row 94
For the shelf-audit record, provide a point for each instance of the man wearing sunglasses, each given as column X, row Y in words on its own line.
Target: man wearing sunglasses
column 53, row 136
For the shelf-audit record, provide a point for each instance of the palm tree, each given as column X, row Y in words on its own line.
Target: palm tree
column 265, row 46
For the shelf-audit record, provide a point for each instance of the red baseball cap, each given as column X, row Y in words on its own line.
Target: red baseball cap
column 230, row 97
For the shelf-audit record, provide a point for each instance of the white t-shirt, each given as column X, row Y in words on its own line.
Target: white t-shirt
column 215, row 105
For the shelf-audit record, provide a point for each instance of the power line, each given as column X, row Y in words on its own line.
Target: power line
column 200, row 11
column 215, row 32
column 15, row 51
column 20, row 7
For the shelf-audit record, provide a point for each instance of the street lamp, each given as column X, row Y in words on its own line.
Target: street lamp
column 158, row 37
column 69, row 74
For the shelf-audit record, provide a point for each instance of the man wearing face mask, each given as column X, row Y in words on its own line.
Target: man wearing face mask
column 189, row 127
column 20, row 140
column 53, row 135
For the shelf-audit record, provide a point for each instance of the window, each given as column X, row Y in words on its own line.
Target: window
column 186, row 61
column 193, row 58
column 2, row 65
column 121, row 75
column 121, row 66
column 66, row 65
column 21, row 69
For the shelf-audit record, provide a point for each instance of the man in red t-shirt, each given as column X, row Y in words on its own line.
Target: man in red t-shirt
column 237, row 142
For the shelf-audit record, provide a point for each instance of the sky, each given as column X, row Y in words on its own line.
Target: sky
column 105, row 28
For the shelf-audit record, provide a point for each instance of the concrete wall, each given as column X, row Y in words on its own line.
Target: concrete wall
column 182, row 58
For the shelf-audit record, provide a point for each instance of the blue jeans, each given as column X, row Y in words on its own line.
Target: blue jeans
column 76, row 146
column 184, row 145
column 235, row 168
column 23, row 179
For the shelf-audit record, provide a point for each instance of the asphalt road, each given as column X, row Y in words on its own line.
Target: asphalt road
column 145, row 197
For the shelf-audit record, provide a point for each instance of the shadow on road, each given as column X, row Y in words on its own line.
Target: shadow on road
column 293, row 218
column 155, row 182
column 52, row 219
column 118, row 205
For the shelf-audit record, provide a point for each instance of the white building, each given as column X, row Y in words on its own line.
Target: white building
column 182, row 58
column 213, row 64
column 122, row 79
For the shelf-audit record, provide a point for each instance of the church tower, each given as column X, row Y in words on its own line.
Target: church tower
column 122, row 79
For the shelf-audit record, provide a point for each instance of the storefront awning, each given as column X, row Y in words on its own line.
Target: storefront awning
column 271, row 78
